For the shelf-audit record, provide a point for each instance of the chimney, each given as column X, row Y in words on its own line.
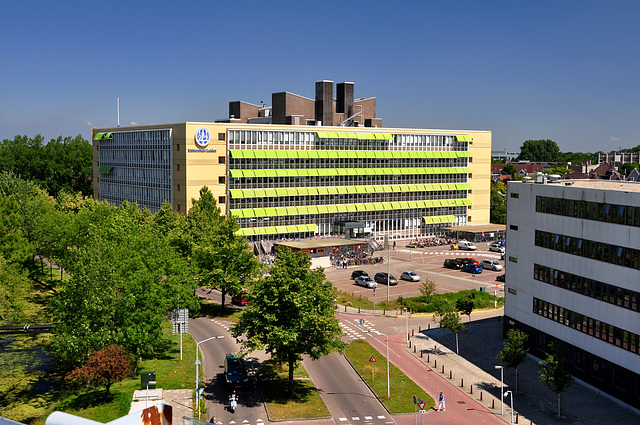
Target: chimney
column 344, row 99
column 324, row 102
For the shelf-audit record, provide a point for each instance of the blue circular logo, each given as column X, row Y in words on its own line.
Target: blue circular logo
column 202, row 137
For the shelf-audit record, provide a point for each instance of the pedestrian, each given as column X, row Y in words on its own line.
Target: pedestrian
column 441, row 406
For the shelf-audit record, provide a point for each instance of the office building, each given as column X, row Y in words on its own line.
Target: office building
column 573, row 275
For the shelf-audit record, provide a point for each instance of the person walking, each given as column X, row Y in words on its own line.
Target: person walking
column 441, row 405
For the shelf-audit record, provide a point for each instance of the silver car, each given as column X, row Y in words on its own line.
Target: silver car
column 410, row 276
column 496, row 247
column 366, row 281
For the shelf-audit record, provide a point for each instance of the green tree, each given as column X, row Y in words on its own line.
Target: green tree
column 223, row 257
column 450, row 321
column 465, row 305
column 554, row 372
column 627, row 168
column 498, row 211
column 428, row 288
column 291, row 313
column 509, row 170
column 104, row 368
column 540, row 151
column 514, row 351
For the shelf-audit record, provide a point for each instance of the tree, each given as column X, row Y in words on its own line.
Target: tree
column 104, row 368
column 509, row 170
column 428, row 288
column 223, row 257
column 513, row 352
column 465, row 305
column 291, row 313
column 540, row 151
column 627, row 168
column 554, row 372
column 450, row 321
column 498, row 212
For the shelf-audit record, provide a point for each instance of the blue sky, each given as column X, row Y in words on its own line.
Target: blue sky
column 561, row 70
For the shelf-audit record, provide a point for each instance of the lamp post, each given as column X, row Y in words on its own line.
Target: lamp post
column 406, row 319
column 198, row 363
column 388, row 266
column 506, row 393
column 501, row 388
column 474, row 282
column 388, row 381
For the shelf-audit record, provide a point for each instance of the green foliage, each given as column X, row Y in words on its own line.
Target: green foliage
column 514, row 351
column 627, row 168
column 498, row 212
column 428, row 288
column 579, row 157
column 554, row 370
column 291, row 313
column 104, row 368
column 540, row 151
column 62, row 164
column 465, row 305
column 509, row 170
column 557, row 170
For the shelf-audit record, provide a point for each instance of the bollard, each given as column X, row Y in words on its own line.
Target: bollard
column 435, row 364
column 429, row 327
column 384, row 312
column 358, row 310
column 409, row 343
column 493, row 403
column 419, row 329
column 345, row 308
column 411, row 332
column 480, row 395
column 442, row 369
column 461, row 382
column 450, row 376
column 421, row 351
column 427, row 358
column 471, row 389
column 516, row 417
column 414, row 349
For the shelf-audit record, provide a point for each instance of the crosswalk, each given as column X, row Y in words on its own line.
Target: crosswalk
column 357, row 328
column 483, row 254
column 366, row 419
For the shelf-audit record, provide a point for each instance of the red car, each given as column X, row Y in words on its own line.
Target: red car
column 471, row 261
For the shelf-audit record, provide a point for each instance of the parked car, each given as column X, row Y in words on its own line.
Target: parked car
column 410, row 276
column 240, row 299
column 381, row 277
column 358, row 273
column 500, row 277
column 496, row 247
column 466, row 246
column 452, row 263
column 491, row 265
column 470, row 261
column 235, row 371
column 472, row 268
column 366, row 281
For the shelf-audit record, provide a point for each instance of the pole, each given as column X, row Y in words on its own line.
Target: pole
column 474, row 282
column 388, row 388
column 180, row 330
column 406, row 318
column 388, row 266
column 198, row 363
column 510, row 393
column 501, row 389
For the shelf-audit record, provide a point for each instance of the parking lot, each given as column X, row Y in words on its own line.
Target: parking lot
column 428, row 264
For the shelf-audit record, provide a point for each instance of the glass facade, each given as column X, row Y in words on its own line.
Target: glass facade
column 136, row 166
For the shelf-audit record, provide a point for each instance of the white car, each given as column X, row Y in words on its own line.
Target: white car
column 496, row 247
column 410, row 276
column 491, row 265
column 366, row 281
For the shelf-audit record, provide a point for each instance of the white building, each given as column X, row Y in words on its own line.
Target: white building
column 573, row 275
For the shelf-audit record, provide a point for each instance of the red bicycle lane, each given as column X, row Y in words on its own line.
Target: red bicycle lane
column 460, row 408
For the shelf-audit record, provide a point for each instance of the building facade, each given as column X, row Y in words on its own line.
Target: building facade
column 573, row 275
column 285, row 181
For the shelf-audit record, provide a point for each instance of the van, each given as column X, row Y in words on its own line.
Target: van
column 466, row 246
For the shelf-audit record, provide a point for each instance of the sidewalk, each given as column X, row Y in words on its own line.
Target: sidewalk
column 180, row 400
column 475, row 375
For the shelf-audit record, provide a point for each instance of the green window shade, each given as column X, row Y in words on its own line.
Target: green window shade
column 270, row 173
column 343, row 154
column 248, row 193
column 303, row 154
column 105, row 169
column 98, row 136
column 313, row 171
column 361, row 136
column 292, row 210
column 281, row 192
column 350, row 207
column 258, row 193
column 387, row 206
column 332, row 190
column 322, row 135
column 235, row 173
column 342, row 190
column 282, row 229
column 377, row 206
column 312, row 227
column 312, row 190
column 270, row 230
column 302, row 210
column 361, row 189
column 428, row 220
column 259, row 212
column 449, row 219
column 271, row 212
column 248, row 212
column 380, row 154
column 323, row 154
column 248, row 173
column 412, row 204
column 322, row 209
column 351, row 189
column 236, row 154
column 322, row 190
column 467, row 202
column 360, row 207
column 332, row 208
column 236, row 193
column 270, row 192
column 303, row 191
column 236, row 213
column 422, row 204
column 250, row 231
column 312, row 209
column 342, row 208
column 369, row 207
column 281, row 211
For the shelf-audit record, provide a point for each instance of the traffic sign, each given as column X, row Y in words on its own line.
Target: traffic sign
column 421, row 405
column 422, row 412
column 372, row 359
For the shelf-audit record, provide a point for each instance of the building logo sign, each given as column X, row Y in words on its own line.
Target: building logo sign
column 202, row 137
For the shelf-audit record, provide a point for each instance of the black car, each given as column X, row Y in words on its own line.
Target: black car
column 381, row 277
column 500, row 278
column 235, row 371
column 452, row 263
column 358, row 273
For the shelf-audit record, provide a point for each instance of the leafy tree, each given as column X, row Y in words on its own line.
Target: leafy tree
column 428, row 288
column 498, row 211
column 465, row 305
column 450, row 321
column 561, row 171
column 509, row 170
column 627, row 168
column 540, row 151
column 513, row 352
column 223, row 257
column 579, row 157
column 104, row 368
column 291, row 313
column 554, row 372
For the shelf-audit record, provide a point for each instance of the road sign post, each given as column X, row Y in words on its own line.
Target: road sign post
column 372, row 360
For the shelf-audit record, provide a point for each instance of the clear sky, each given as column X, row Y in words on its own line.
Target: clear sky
column 562, row 70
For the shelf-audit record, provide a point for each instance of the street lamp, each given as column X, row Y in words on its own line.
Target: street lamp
column 406, row 318
column 474, row 281
column 501, row 388
column 506, row 393
column 387, row 337
column 388, row 266
column 198, row 363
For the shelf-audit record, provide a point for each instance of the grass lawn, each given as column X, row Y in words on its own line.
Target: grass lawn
column 402, row 388
column 305, row 403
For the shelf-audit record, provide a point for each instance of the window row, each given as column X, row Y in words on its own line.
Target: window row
column 350, row 180
column 599, row 251
column 131, row 175
column 611, row 334
column 282, row 163
column 137, row 155
column 598, row 211
column 591, row 288
column 148, row 137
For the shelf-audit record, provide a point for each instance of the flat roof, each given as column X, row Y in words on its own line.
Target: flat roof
column 620, row 185
column 479, row 228
column 321, row 243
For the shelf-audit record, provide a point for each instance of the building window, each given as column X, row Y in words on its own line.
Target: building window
column 515, row 195
column 220, row 179
column 221, row 200
column 178, row 187
column 221, row 137
column 513, row 227
column 177, row 167
column 513, row 259
column 177, row 147
column 221, row 160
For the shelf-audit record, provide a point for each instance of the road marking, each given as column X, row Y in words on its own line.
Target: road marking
column 368, row 418
column 343, row 419
column 381, row 417
column 355, row 418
